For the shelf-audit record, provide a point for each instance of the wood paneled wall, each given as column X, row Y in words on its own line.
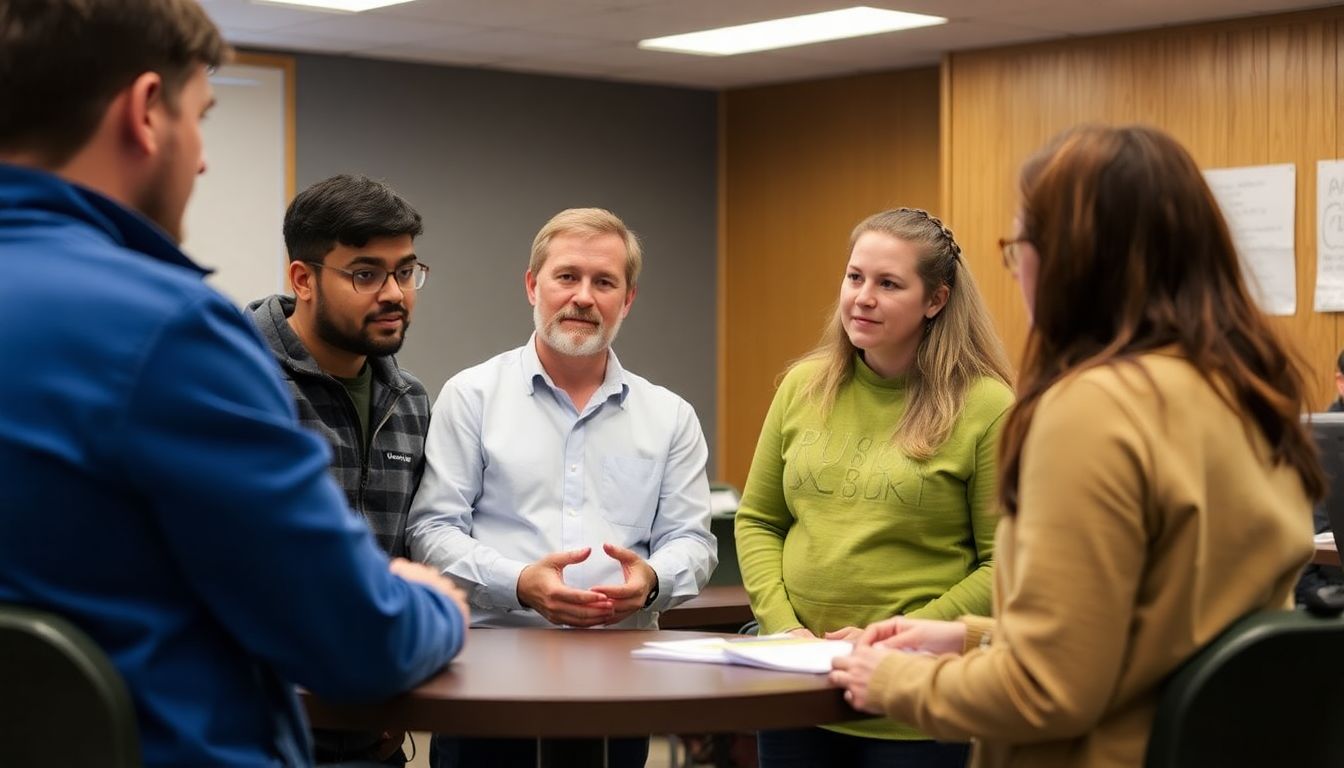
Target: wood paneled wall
column 1245, row 92
column 801, row 164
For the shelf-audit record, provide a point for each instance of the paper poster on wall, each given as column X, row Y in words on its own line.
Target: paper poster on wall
column 1259, row 203
column 1330, row 236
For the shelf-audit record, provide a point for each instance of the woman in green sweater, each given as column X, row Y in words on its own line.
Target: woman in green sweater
column 871, row 491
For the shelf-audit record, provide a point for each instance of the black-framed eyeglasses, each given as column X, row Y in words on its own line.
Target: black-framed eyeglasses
column 1011, row 258
column 372, row 279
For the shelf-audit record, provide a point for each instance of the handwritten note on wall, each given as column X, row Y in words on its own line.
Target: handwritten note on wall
column 1330, row 236
column 1259, row 204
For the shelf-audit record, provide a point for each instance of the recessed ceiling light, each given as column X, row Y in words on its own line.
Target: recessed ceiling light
column 344, row 6
column 791, row 31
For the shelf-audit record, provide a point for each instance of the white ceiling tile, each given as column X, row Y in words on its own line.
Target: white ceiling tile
column 424, row 54
column 503, row 13
column 546, row 66
column 971, row 9
column 927, row 43
column 363, row 31
column 235, row 15
column 246, row 38
column 874, row 59
column 512, row 43
column 669, row 18
column 618, row 55
column 291, row 42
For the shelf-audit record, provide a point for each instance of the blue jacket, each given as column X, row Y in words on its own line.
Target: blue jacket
column 158, row 492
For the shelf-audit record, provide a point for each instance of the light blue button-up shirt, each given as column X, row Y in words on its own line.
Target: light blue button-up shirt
column 514, row 472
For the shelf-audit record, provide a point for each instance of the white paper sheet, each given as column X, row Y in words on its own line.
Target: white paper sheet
column 1259, row 203
column 790, row 654
column 779, row 652
column 1330, row 236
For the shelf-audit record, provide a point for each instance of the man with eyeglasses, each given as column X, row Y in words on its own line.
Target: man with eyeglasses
column 355, row 275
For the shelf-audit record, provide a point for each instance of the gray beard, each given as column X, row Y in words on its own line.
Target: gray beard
column 573, row 345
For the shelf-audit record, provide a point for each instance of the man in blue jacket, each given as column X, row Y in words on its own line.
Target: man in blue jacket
column 158, row 490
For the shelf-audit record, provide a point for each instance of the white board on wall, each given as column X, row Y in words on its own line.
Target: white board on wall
column 234, row 218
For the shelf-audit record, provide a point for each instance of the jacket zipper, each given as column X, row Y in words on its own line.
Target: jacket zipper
column 367, row 451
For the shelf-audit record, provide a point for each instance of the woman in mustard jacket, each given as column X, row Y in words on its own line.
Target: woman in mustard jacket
column 1156, row 480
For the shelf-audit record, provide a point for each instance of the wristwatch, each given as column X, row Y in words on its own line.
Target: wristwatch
column 653, row 593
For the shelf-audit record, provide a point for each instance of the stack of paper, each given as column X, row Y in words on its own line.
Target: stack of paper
column 782, row 652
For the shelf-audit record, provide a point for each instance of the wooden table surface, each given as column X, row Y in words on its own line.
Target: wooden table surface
column 713, row 607
column 576, row 683
column 1326, row 554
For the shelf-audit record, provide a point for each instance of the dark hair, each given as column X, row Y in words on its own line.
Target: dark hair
column 346, row 209
column 63, row 61
column 1339, row 362
column 1135, row 256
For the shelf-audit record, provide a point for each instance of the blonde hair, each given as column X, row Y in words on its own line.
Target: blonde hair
column 588, row 221
column 958, row 345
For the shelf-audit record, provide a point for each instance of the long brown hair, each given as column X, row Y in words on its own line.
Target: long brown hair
column 1135, row 256
column 958, row 347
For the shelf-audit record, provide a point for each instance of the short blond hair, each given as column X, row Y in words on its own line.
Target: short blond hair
column 588, row 221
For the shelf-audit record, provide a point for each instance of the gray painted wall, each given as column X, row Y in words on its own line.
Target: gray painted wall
column 487, row 157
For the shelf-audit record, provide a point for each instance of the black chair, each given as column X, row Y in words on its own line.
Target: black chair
column 721, row 524
column 61, row 700
column 1269, row 691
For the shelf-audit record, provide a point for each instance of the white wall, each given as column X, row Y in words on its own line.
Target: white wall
column 233, row 221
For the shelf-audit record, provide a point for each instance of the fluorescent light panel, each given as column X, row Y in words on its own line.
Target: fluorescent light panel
column 795, row 30
column 345, row 6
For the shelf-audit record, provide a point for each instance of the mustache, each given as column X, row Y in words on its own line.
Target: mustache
column 574, row 314
column 388, row 310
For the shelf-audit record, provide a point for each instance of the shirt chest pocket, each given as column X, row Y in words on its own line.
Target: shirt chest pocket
column 629, row 490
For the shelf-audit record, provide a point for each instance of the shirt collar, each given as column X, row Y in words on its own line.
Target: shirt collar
column 613, row 384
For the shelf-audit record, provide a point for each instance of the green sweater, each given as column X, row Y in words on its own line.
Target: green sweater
column 837, row 527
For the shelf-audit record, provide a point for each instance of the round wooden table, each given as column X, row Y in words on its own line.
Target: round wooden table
column 583, row 684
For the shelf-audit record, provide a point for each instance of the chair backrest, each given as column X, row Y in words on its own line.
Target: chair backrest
column 724, row 499
column 61, row 700
column 1269, row 691
column 1328, row 431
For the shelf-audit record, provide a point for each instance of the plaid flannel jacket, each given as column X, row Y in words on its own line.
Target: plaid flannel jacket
column 381, row 484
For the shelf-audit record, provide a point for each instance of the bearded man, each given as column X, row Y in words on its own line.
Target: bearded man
column 561, row 489
column 355, row 274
